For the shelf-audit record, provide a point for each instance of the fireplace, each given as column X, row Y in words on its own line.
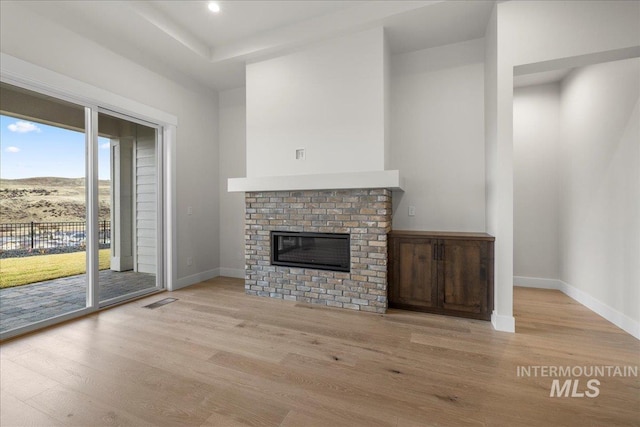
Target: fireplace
column 299, row 227
column 322, row 251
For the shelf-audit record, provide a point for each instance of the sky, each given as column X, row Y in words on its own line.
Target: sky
column 29, row 149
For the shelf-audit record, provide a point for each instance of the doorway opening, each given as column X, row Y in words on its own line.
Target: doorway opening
column 576, row 186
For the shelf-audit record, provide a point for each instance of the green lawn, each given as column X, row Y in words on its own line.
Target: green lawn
column 22, row 271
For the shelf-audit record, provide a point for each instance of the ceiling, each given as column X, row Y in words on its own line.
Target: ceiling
column 184, row 39
column 543, row 77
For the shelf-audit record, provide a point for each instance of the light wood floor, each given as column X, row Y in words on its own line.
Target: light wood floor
column 217, row 357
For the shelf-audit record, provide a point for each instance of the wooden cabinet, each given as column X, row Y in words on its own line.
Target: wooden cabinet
column 445, row 273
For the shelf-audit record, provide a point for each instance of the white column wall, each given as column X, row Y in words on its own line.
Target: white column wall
column 328, row 98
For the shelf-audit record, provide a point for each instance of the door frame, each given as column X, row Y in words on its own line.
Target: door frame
column 29, row 76
column 160, row 259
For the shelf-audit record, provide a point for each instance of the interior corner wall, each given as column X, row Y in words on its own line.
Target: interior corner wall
column 328, row 99
column 437, row 137
column 26, row 35
column 536, row 186
column 232, row 135
column 600, row 199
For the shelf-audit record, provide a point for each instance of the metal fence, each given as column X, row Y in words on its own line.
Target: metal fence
column 46, row 235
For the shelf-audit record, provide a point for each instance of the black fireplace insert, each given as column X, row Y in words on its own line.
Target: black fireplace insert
column 322, row 251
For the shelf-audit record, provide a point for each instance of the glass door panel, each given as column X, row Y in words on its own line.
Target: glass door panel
column 128, row 208
column 43, row 209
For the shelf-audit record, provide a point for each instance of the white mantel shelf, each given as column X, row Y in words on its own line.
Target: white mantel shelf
column 334, row 181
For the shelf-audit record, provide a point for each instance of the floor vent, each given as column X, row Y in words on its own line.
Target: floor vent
column 160, row 303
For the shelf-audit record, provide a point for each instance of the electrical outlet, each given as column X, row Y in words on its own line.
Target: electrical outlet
column 189, row 260
column 189, row 210
column 412, row 211
column 300, row 154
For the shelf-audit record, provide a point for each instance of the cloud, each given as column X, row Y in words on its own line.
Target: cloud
column 23, row 127
column 12, row 149
column 105, row 145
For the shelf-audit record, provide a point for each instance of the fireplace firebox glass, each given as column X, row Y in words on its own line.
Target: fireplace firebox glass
column 322, row 251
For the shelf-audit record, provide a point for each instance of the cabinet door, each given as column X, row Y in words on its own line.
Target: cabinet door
column 464, row 275
column 414, row 280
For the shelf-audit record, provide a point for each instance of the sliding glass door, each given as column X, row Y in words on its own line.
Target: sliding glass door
column 80, row 209
column 128, row 201
column 43, row 208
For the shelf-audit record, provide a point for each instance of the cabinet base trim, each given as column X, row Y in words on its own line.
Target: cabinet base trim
column 438, row 310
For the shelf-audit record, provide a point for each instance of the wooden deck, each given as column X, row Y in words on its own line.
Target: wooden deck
column 218, row 357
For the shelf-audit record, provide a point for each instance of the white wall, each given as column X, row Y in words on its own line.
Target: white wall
column 566, row 28
column 527, row 32
column 232, row 136
column 437, row 104
column 536, row 181
column 437, row 137
column 328, row 99
column 30, row 37
column 600, row 203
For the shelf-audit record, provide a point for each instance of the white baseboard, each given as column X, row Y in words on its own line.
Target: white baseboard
column 183, row 282
column 237, row 273
column 619, row 319
column 503, row 323
column 536, row 282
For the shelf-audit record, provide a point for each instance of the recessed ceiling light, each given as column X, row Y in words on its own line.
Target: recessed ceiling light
column 214, row 7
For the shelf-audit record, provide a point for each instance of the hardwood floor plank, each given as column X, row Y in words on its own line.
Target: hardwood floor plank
column 21, row 382
column 15, row 412
column 217, row 357
column 73, row 408
column 219, row 420
column 137, row 399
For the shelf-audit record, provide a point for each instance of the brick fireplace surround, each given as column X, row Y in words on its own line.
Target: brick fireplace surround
column 363, row 213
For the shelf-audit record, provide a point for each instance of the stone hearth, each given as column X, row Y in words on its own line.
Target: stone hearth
column 363, row 213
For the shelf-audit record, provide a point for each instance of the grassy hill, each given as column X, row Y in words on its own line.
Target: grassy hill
column 44, row 199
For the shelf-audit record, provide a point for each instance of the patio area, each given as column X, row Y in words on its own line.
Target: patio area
column 22, row 305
